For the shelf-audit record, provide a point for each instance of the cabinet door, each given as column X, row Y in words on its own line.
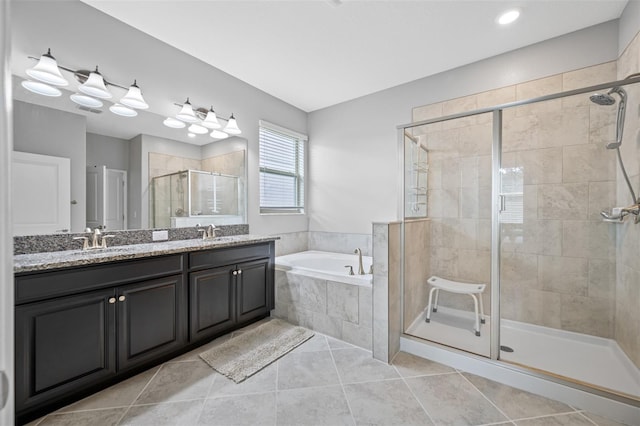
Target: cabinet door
column 150, row 320
column 62, row 346
column 211, row 302
column 253, row 290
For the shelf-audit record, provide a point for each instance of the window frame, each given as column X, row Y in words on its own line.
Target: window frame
column 299, row 175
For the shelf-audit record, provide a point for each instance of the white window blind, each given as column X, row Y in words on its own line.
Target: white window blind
column 512, row 191
column 282, row 164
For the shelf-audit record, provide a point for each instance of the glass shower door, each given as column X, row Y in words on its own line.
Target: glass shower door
column 447, row 275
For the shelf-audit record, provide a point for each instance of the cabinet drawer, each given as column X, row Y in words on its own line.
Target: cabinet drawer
column 32, row 287
column 227, row 256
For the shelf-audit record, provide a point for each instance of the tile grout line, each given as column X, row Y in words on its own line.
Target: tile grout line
column 584, row 416
column 344, row 392
column 275, row 408
column 139, row 394
column 206, row 397
column 486, row 397
column 414, row 396
column 553, row 415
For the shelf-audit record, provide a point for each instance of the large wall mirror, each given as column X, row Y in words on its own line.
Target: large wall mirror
column 123, row 172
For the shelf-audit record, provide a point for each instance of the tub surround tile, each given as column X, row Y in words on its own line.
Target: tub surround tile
column 359, row 335
column 292, row 242
column 338, row 242
column 342, row 301
column 313, row 294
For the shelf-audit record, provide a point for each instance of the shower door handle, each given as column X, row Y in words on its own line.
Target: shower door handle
column 503, row 203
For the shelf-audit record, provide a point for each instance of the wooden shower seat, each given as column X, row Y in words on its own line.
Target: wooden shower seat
column 473, row 290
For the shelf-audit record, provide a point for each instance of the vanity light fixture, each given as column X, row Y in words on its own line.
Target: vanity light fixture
column 508, row 17
column 93, row 86
column 41, row 88
column 47, row 71
column 202, row 120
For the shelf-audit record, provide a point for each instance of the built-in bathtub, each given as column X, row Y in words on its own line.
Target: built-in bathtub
column 314, row 289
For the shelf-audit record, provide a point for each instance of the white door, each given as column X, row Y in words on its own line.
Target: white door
column 116, row 199
column 95, row 196
column 38, row 181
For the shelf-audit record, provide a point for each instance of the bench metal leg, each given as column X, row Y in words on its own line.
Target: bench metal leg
column 435, row 304
column 482, row 320
column 475, row 305
column 428, row 319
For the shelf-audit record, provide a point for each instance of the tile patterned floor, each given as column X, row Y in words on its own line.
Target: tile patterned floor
column 322, row 382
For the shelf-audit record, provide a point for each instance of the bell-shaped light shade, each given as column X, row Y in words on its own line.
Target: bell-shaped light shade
column 123, row 110
column 47, row 71
column 94, row 86
column 86, row 101
column 198, row 129
column 134, row 98
column 186, row 114
column 211, row 121
column 191, row 135
column 173, row 123
column 217, row 134
column 232, row 127
column 41, row 88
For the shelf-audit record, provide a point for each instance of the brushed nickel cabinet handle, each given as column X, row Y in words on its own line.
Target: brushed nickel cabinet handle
column 122, row 298
column 112, row 300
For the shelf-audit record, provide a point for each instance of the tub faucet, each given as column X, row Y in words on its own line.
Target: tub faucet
column 360, row 268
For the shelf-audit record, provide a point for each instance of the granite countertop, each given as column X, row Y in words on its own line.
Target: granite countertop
column 68, row 258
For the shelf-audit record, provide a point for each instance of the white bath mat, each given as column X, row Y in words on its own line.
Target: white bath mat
column 246, row 354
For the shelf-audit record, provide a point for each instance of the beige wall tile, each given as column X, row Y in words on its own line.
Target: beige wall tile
column 589, row 239
column 519, row 270
column 602, row 196
column 456, row 106
column 565, row 275
column 587, row 315
column 541, row 165
column 602, row 279
column 342, row 301
column 561, row 201
column 589, row 76
column 589, row 163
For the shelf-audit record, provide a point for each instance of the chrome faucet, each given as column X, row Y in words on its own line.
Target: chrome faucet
column 209, row 232
column 360, row 268
column 98, row 240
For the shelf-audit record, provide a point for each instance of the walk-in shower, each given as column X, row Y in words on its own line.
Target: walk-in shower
column 515, row 194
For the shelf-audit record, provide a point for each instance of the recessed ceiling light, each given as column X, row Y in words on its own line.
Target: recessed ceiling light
column 508, row 17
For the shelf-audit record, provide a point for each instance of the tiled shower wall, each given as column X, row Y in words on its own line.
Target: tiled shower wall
column 627, row 288
column 558, row 262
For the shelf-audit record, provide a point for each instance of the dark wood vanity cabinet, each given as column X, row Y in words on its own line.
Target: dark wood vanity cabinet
column 224, row 297
column 83, row 328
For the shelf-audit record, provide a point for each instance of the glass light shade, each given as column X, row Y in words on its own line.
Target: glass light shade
column 123, row 110
column 173, row 123
column 217, row 134
column 211, row 121
column 186, row 114
column 47, row 71
column 198, row 129
column 94, row 86
column 508, row 17
column 41, row 88
column 134, row 98
column 85, row 100
column 191, row 135
column 232, row 127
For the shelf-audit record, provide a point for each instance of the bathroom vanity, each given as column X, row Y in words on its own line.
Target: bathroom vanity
column 87, row 319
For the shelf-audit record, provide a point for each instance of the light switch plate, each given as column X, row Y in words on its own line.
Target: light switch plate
column 160, row 235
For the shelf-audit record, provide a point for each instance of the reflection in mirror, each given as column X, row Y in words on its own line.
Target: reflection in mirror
column 113, row 161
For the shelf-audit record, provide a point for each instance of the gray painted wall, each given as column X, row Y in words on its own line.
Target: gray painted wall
column 134, row 194
column 108, row 151
column 60, row 134
column 629, row 24
column 353, row 175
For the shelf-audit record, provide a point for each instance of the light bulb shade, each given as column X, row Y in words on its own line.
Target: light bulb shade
column 41, row 88
column 173, row 123
column 217, row 134
column 186, row 114
column 232, row 127
column 198, row 129
column 191, row 135
column 211, row 121
column 94, row 86
column 122, row 110
column 134, row 98
column 47, row 71
column 86, row 101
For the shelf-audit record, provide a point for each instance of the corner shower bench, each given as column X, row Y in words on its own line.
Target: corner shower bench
column 473, row 290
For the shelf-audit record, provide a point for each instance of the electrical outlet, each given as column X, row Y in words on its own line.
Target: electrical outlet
column 160, row 235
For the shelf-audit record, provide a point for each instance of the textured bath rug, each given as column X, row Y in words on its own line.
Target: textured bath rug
column 248, row 353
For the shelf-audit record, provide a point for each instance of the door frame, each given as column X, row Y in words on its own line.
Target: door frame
column 7, row 414
column 125, row 195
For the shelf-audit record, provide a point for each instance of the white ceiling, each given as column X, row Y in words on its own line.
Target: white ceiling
column 317, row 53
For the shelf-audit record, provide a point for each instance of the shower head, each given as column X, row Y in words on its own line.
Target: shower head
column 602, row 99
